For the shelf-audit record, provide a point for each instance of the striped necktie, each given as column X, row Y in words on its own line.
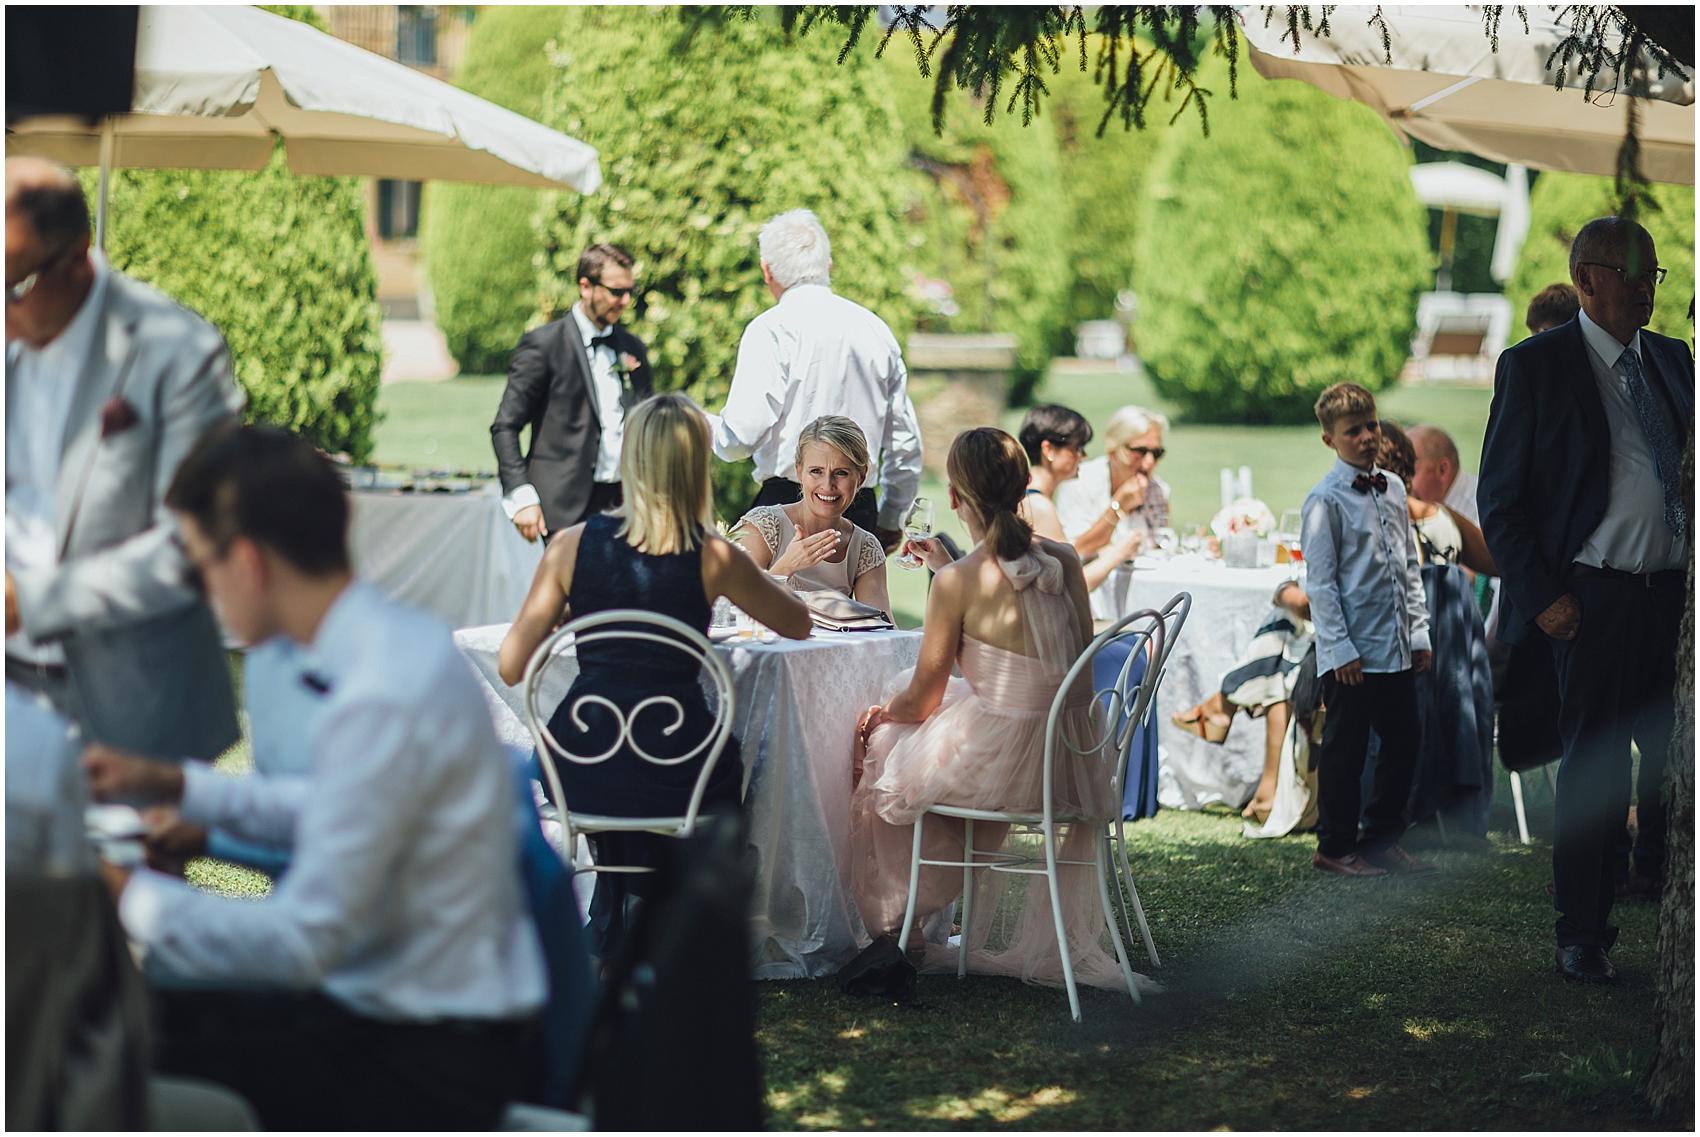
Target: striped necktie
column 1661, row 439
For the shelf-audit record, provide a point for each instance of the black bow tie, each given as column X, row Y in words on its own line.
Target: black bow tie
column 602, row 339
column 1363, row 483
column 316, row 683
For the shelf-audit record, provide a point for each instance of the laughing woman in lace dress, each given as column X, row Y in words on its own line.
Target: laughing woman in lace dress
column 810, row 541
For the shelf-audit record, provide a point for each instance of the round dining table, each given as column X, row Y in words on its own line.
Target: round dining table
column 797, row 702
column 1228, row 606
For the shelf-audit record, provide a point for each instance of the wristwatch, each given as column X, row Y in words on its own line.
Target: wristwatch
column 1115, row 507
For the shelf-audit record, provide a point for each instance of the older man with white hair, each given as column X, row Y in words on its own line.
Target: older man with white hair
column 815, row 353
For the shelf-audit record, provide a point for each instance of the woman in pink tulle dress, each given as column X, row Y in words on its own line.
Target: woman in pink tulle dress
column 1013, row 615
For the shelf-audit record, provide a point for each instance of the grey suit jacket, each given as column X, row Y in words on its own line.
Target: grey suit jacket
column 147, row 667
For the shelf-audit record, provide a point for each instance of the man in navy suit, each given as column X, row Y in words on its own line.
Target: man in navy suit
column 1583, row 511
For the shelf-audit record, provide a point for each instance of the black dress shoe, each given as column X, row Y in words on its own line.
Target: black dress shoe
column 1585, row 963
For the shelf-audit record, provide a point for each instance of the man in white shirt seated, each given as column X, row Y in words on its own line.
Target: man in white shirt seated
column 815, row 353
column 1440, row 475
column 403, row 970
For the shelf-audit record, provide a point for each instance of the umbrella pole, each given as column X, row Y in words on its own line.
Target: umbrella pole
column 107, row 143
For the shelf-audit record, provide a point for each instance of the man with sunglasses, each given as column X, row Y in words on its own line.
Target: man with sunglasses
column 108, row 385
column 572, row 382
column 1583, row 510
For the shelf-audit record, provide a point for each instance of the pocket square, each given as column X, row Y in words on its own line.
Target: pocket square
column 117, row 416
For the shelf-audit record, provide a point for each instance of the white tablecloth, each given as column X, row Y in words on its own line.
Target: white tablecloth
column 797, row 706
column 452, row 554
column 1228, row 606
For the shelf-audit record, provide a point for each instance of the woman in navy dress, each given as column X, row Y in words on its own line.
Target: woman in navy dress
column 658, row 552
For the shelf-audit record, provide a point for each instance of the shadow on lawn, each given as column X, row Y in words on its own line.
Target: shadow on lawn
column 1293, row 1001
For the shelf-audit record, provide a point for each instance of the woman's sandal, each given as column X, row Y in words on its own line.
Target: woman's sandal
column 1197, row 722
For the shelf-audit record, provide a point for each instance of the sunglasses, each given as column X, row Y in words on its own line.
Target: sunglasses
column 617, row 293
column 1155, row 452
column 17, row 293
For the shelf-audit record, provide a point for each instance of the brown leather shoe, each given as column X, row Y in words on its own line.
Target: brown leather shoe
column 1396, row 860
column 1349, row 865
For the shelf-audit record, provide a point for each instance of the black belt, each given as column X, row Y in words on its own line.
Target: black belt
column 54, row 671
column 1662, row 579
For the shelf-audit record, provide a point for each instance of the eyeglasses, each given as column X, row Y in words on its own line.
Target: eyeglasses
column 17, row 293
column 1655, row 274
column 617, row 293
column 1154, row 452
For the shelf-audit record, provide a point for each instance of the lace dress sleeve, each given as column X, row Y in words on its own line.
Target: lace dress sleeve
column 763, row 520
column 870, row 555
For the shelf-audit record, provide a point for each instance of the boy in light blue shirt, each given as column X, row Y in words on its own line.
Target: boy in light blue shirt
column 1366, row 601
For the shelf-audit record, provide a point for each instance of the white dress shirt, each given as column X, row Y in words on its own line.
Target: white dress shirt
column 1461, row 498
column 605, row 390
column 1633, row 536
column 1363, row 574
column 43, row 381
column 815, row 353
column 403, row 900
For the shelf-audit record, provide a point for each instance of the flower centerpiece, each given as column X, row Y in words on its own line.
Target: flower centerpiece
column 1243, row 515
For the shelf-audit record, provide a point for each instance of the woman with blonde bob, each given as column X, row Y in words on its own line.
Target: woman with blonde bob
column 659, row 553
column 1013, row 615
column 810, row 542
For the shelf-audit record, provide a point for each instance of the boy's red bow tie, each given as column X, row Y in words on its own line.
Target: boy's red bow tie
column 1363, row 483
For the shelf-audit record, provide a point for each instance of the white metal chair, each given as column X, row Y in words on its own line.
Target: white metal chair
column 1172, row 619
column 1123, row 695
column 664, row 632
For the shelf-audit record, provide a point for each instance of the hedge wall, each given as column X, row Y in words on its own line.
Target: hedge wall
column 477, row 242
column 1104, row 179
column 282, row 266
column 1279, row 255
column 993, row 219
column 1560, row 204
column 703, row 139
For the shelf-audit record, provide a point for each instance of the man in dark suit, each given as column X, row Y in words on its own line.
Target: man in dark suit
column 572, row 382
column 1583, row 511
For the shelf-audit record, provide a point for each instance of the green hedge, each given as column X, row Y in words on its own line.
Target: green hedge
column 703, row 139
column 282, row 266
column 1104, row 179
column 1277, row 256
column 993, row 219
column 477, row 242
column 1560, row 204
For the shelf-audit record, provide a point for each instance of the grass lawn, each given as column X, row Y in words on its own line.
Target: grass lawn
column 1294, row 1001
column 447, row 426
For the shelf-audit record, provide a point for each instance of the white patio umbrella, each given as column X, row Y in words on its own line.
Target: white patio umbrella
column 1454, row 188
column 217, row 86
column 1447, row 86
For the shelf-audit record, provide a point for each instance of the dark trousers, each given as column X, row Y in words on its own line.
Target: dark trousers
column 1616, row 682
column 603, row 497
column 864, row 510
column 1386, row 703
column 306, row 1062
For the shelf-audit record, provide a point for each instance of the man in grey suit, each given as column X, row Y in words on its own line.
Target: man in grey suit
column 108, row 384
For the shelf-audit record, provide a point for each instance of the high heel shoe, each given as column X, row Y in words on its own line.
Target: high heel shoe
column 1198, row 722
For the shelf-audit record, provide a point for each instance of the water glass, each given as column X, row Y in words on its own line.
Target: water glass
column 722, row 615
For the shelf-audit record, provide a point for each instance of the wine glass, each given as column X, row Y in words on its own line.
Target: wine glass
column 917, row 526
column 1288, row 535
column 1167, row 540
column 1192, row 541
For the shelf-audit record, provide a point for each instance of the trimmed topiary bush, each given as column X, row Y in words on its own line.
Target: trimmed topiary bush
column 477, row 242
column 278, row 263
column 993, row 217
column 703, row 138
column 1277, row 256
column 1560, row 204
